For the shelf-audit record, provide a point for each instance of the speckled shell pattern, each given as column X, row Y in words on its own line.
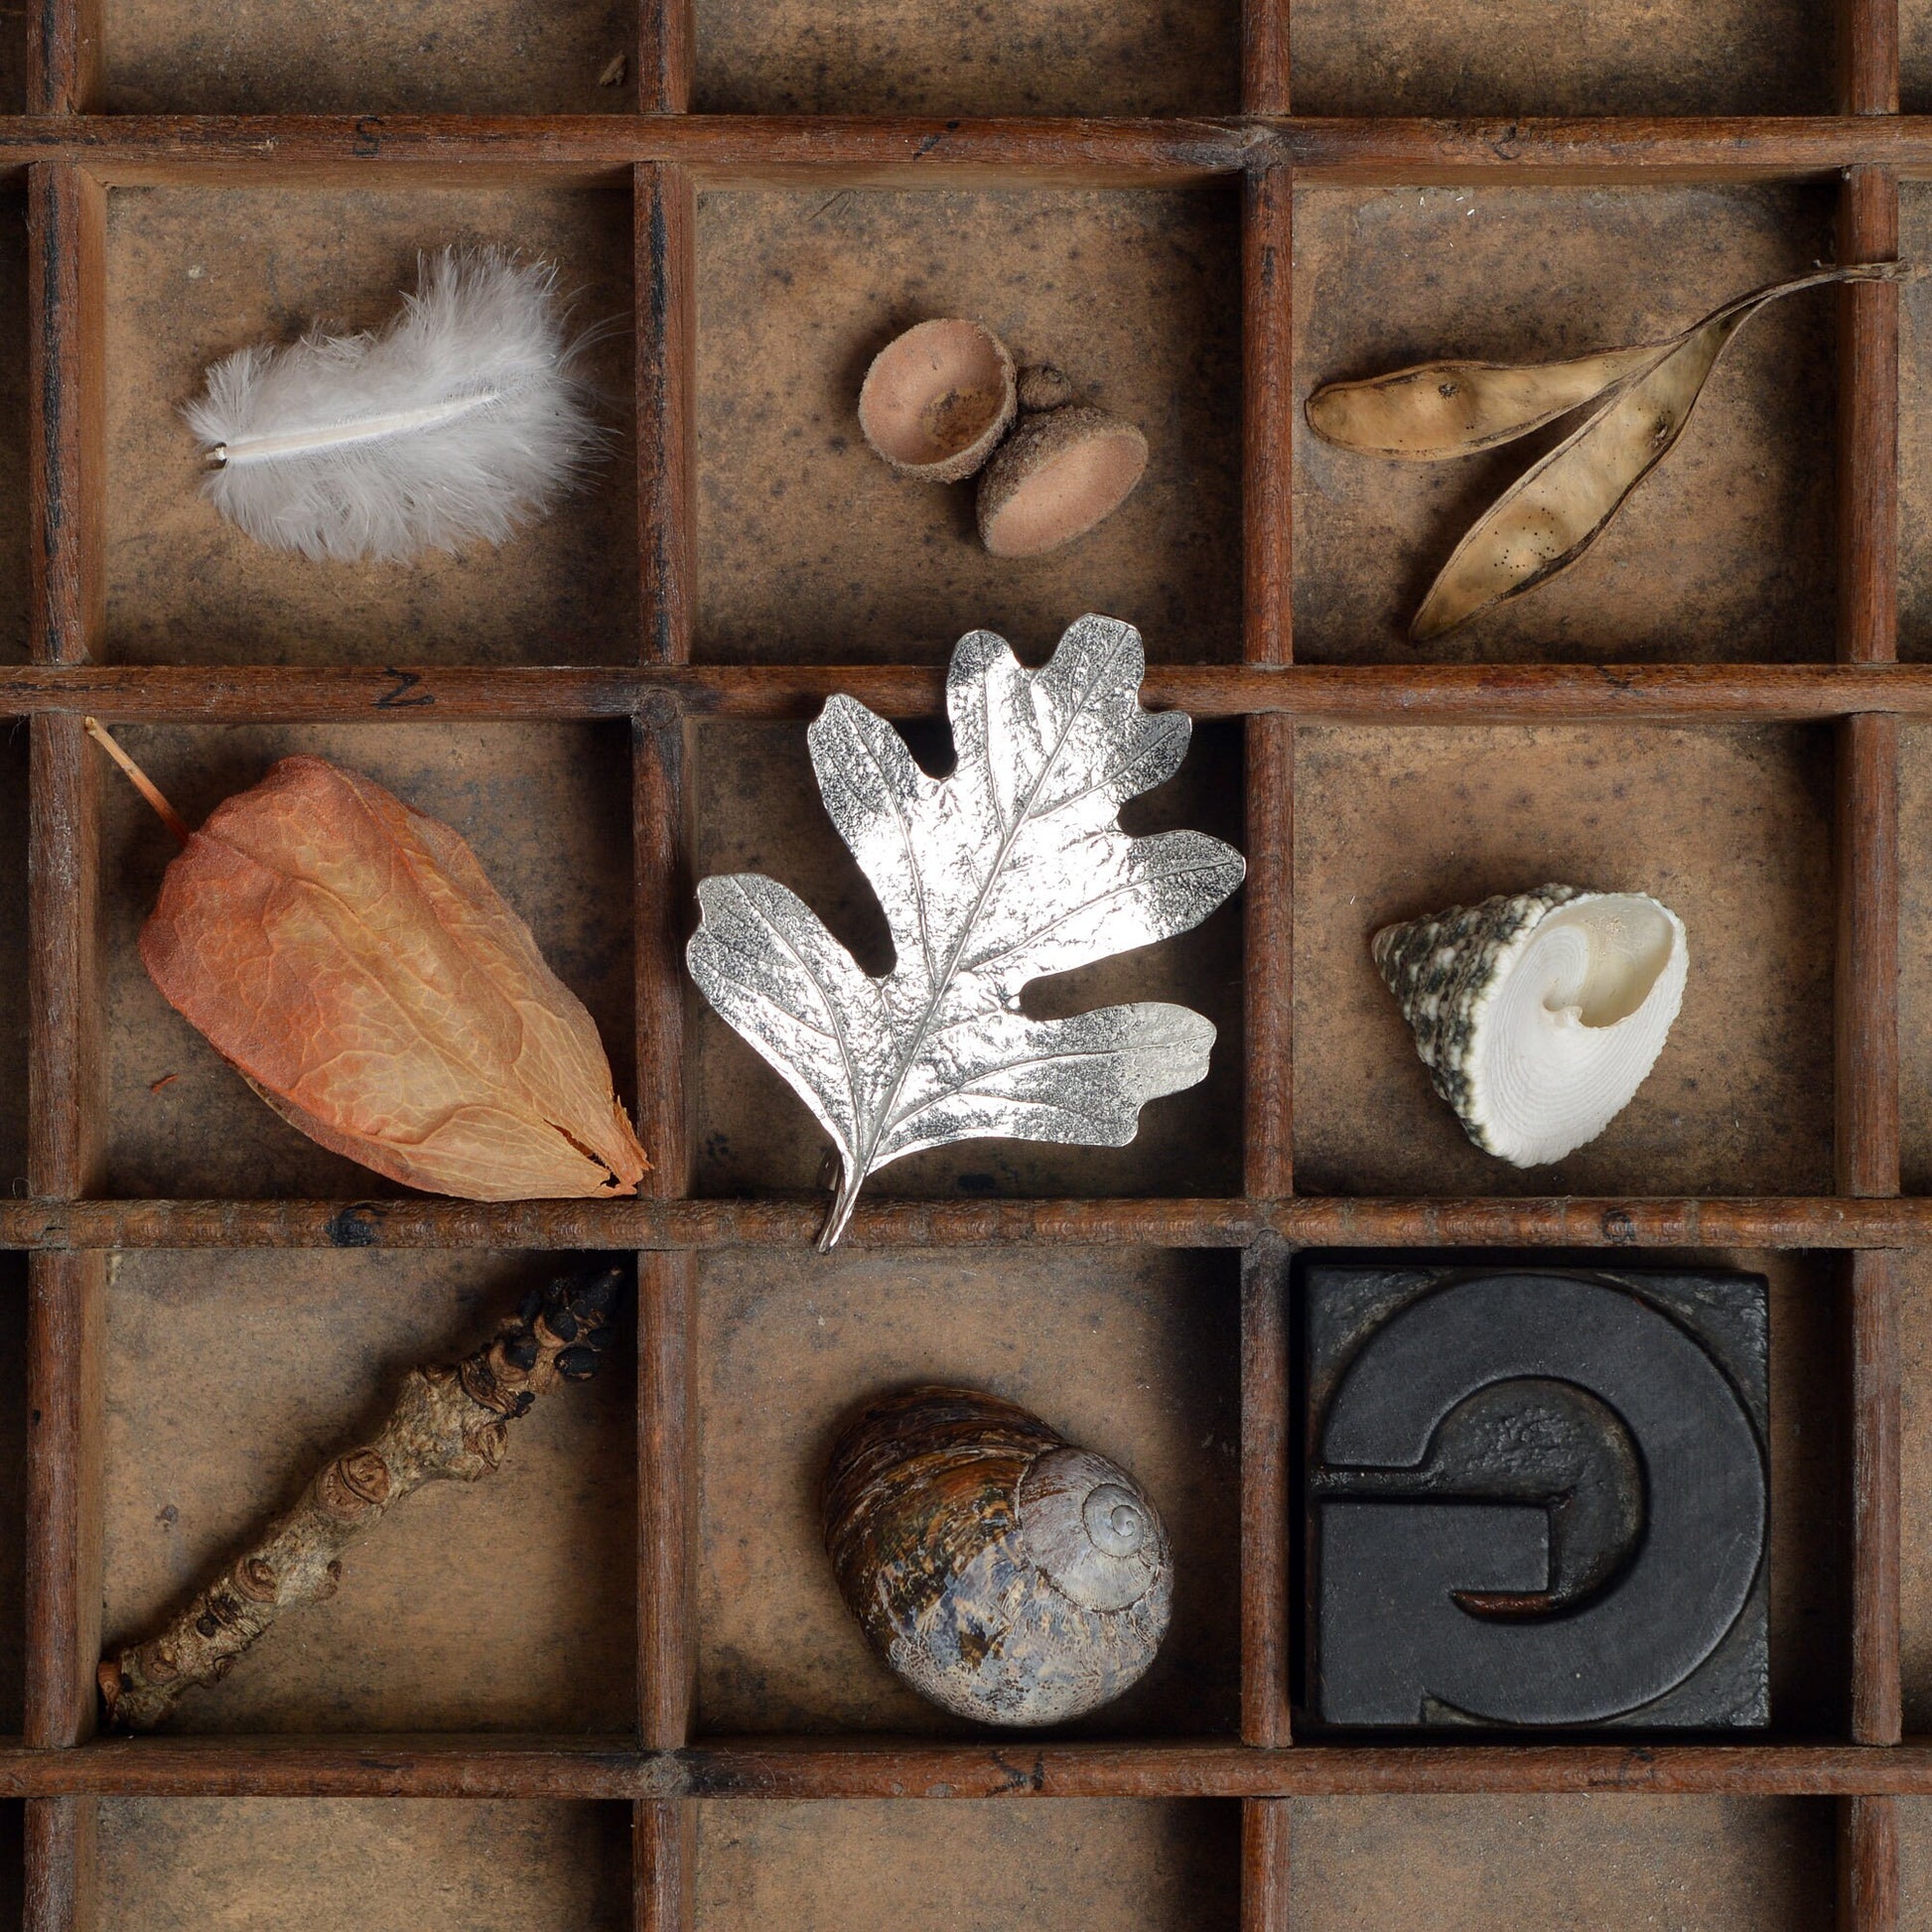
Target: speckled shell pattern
column 977, row 1550
column 1443, row 971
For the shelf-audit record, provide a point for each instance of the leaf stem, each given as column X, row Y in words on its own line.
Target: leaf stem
column 142, row 783
column 851, row 1177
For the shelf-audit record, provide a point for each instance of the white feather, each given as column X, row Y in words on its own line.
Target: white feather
column 464, row 418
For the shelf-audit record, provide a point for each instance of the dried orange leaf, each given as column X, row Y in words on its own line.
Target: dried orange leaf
column 349, row 957
column 1439, row 410
column 1561, row 503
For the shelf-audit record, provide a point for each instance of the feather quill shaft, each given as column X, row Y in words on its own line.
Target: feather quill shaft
column 370, row 429
column 461, row 421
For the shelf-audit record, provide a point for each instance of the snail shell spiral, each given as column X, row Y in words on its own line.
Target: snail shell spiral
column 999, row 1570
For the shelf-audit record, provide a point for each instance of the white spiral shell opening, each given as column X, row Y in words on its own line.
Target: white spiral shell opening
column 1572, row 1024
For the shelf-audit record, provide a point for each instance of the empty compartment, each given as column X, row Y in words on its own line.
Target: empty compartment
column 13, row 1851
column 1723, row 551
column 1626, row 56
column 1914, row 56
column 1914, row 1272
column 811, row 547
column 546, row 811
column 1915, row 422
column 1074, row 1866
column 505, row 1604
column 14, row 762
column 894, row 57
column 1914, row 959
column 500, row 56
column 758, row 810
column 13, row 1542
column 195, row 274
column 1730, row 828
column 1914, row 1860
column 16, row 582
column 1561, row 1863
column 1804, row 1573
column 1134, row 1354
column 381, row 1865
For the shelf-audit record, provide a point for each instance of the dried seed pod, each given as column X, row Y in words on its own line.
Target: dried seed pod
column 1065, row 468
column 937, row 399
column 1001, row 1571
column 1567, row 499
column 1439, row 410
column 1538, row 1013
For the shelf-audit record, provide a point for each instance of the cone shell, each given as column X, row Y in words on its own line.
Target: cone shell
column 1057, row 474
column 937, row 399
column 1003, row 1573
column 1538, row 1013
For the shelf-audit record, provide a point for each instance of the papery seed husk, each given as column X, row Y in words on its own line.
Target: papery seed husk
column 348, row 955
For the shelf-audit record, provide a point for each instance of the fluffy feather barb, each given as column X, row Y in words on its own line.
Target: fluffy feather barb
column 465, row 418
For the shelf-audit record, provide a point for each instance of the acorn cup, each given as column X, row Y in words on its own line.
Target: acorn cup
column 1001, row 1571
column 937, row 399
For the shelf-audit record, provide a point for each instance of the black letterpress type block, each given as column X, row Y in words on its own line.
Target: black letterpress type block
column 1537, row 1497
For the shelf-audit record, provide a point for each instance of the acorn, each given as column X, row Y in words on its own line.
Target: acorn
column 1064, row 468
column 1001, row 1571
column 937, row 399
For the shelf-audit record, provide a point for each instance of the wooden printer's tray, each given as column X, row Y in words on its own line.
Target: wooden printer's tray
column 616, row 1686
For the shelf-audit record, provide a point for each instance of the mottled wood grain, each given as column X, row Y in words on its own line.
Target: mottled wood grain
column 1914, row 1273
column 1562, row 1865
column 316, row 1864
column 502, row 57
column 1618, row 57
column 16, row 578
column 1012, row 57
column 13, row 1503
column 14, row 953
column 1120, row 1866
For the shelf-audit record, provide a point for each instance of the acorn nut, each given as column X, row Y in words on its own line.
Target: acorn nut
column 1064, row 468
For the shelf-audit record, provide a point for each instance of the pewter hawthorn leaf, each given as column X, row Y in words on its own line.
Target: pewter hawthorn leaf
column 351, row 960
column 1012, row 867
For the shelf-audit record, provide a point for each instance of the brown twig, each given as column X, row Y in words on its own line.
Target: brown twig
column 450, row 1422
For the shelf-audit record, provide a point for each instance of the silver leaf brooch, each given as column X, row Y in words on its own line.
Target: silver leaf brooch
column 1012, row 867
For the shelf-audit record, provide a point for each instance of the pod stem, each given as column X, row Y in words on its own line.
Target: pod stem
column 142, row 783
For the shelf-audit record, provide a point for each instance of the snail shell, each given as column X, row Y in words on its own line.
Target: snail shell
column 1003, row 1573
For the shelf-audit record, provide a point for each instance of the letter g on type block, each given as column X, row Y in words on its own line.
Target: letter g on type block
column 1536, row 1497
